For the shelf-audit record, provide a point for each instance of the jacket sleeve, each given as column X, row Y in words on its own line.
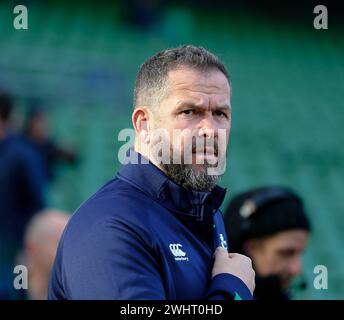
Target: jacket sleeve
column 111, row 262
column 225, row 286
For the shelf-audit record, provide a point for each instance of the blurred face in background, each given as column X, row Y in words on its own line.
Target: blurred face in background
column 38, row 127
column 45, row 252
column 43, row 240
column 196, row 103
column 280, row 254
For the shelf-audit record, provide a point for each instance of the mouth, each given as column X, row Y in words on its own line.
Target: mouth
column 206, row 151
column 286, row 282
column 207, row 156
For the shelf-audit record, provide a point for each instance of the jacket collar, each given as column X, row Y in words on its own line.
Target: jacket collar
column 151, row 180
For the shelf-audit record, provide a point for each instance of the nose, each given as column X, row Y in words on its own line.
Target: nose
column 207, row 127
column 295, row 266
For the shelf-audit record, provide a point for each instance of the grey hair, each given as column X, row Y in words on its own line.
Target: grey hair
column 151, row 79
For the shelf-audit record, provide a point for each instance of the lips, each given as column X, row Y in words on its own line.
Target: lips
column 207, row 151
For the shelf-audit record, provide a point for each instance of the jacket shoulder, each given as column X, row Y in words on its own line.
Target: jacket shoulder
column 116, row 203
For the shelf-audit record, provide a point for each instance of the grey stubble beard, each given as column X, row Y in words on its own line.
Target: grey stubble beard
column 190, row 178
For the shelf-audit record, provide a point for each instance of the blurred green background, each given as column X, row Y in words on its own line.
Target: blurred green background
column 81, row 59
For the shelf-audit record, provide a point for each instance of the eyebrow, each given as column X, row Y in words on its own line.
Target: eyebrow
column 189, row 104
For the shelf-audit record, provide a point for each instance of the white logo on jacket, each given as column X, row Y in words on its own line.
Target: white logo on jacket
column 223, row 241
column 178, row 253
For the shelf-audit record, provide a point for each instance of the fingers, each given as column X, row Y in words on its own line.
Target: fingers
column 221, row 251
column 236, row 255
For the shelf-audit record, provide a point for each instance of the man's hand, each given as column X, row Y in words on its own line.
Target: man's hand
column 236, row 264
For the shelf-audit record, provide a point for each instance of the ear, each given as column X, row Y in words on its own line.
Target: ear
column 141, row 118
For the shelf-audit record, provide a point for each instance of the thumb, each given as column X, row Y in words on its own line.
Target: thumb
column 220, row 252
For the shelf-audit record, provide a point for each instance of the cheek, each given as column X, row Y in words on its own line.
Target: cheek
column 185, row 124
column 223, row 139
column 225, row 127
column 228, row 134
column 171, row 123
column 228, row 129
column 279, row 264
column 270, row 263
column 180, row 137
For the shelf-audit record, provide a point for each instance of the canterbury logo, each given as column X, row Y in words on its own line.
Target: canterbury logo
column 178, row 253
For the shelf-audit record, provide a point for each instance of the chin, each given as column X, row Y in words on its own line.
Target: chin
column 286, row 284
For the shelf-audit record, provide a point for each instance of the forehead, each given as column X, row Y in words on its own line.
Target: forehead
column 190, row 83
column 296, row 239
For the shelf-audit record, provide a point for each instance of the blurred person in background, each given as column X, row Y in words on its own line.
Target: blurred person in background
column 41, row 239
column 22, row 192
column 269, row 225
column 144, row 14
column 37, row 132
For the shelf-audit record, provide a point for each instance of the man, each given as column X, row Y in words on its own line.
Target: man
column 36, row 131
column 22, row 187
column 41, row 239
column 269, row 225
column 152, row 231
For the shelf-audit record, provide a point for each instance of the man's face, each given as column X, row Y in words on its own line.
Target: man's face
column 196, row 103
column 280, row 255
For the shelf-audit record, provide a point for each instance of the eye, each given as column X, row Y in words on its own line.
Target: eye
column 220, row 114
column 287, row 253
column 187, row 112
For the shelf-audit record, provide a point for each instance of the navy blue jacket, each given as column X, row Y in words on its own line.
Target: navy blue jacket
column 22, row 185
column 22, row 188
column 141, row 236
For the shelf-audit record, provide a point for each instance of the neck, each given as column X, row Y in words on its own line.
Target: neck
column 144, row 151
